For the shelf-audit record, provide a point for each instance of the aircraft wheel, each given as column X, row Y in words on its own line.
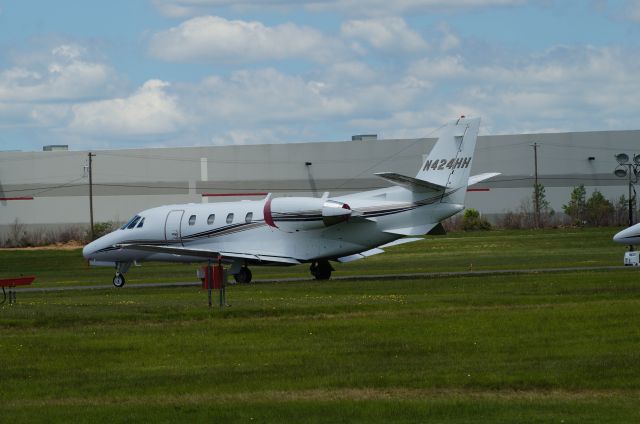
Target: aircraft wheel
column 321, row 270
column 118, row 280
column 243, row 276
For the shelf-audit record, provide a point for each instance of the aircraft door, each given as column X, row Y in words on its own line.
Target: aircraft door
column 172, row 226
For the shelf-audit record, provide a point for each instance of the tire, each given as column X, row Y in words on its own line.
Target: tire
column 321, row 270
column 118, row 280
column 243, row 276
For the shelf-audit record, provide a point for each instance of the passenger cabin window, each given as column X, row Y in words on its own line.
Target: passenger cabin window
column 248, row 218
column 211, row 218
column 192, row 220
column 229, row 218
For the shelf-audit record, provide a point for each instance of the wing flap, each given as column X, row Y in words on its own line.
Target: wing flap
column 360, row 255
column 376, row 250
column 401, row 241
column 419, row 230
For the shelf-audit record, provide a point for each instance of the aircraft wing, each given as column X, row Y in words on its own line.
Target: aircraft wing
column 376, row 250
column 208, row 254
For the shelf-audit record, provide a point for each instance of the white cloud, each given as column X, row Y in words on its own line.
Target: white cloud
column 253, row 99
column 567, row 89
column 385, row 7
column 389, row 34
column 63, row 76
column 272, row 135
column 148, row 111
column 449, row 40
column 430, row 69
column 351, row 72
column 183, row 8
column 208, row 38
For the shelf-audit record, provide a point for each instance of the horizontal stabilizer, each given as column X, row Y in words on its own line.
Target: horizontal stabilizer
column 411, row 183
column 475, row 179
column 207, row 254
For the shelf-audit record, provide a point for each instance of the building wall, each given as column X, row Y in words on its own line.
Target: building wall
column 127, row 181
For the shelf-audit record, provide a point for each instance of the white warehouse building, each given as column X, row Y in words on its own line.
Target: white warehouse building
column 51, row 188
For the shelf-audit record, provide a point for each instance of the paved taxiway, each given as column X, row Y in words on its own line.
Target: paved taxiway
column 338, row 278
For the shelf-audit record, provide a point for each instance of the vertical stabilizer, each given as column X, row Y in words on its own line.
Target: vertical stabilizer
column 449, row 162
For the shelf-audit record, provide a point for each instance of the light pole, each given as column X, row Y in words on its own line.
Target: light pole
column 631, row 170
column 93, row 237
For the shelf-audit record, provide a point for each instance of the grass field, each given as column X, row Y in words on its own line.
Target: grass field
column 454, row 252
column 535, row 347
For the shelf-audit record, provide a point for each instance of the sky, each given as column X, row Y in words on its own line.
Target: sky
column 167, row 73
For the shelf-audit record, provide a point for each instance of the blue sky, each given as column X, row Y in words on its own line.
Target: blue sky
column 153, row 73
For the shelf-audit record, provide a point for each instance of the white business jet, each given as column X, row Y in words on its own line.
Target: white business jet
column 294, row 230
column 629, row 235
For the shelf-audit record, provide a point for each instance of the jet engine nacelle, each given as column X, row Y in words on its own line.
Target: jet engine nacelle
column 293, row 214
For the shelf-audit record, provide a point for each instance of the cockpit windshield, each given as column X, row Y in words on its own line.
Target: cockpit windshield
column 132, row 222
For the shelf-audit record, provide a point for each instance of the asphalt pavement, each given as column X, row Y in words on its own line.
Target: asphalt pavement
column 406, row 276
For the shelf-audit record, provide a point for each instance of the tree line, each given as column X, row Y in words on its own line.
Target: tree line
column 579, row 211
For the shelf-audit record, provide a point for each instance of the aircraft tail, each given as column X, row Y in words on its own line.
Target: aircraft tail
column 449, row 162
column 446, row 168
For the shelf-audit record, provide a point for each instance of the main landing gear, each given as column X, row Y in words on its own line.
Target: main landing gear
column 321, row 269
column 243, row 276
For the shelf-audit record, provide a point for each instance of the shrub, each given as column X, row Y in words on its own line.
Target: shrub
column 102, row 228
column 473, row 221
column 599, row 211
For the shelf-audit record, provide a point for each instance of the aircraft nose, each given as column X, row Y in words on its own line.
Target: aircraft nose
column 88, row 250
column 627, row 236
column 617, row 238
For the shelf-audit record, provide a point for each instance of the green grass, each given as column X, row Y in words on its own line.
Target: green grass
column 529, row 348
column 453, row 252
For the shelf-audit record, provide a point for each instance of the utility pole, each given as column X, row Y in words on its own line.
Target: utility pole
column 536, row 194
column 91, row 155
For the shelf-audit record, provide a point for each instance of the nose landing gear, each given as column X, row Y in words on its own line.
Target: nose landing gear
column 121, row 269
column 118, row 280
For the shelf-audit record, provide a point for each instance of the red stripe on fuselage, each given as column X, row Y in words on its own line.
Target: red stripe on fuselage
column 266, row 212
